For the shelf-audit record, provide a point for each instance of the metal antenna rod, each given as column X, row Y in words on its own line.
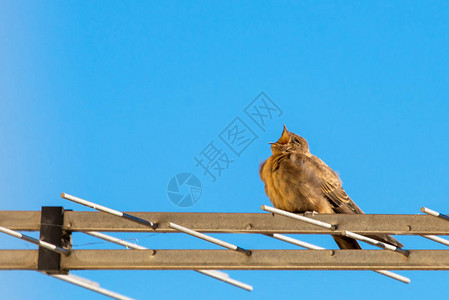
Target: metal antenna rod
column 108, row 210
column 333, row 227
column 115, row 240
column 298, row 217
column 437, row 239
column 438, row 215
column 314, row 247
column 375, row 242
column 212, row 273
column 434, row 213
column 87, row 284
column 154, row 226
column 209, row 238
column 225, row 278
column 34, row 241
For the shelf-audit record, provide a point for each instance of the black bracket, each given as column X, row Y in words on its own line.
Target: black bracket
column 51, row 231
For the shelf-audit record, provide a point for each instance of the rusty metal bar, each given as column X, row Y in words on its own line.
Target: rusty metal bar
column 231, row 260
column 315, row 247
column 212, row 273
column 20, row 220
column 234, row 223
column 259, row 260
column 18, row 259
column 260, row 223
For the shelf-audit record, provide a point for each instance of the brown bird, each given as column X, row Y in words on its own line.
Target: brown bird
column 297, row 181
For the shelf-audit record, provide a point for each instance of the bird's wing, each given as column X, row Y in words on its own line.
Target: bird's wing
column 332, row 189
column 339, row 199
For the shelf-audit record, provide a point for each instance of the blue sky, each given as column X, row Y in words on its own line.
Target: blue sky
column 109, row 100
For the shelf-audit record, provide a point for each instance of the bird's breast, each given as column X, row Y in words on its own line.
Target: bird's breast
column 289, row 185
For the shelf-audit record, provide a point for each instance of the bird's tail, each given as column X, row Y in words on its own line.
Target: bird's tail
column 347, row 243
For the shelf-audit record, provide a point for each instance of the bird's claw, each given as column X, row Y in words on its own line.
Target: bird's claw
column 308, row 213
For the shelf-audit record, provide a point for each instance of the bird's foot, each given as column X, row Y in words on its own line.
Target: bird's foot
column 308, row 213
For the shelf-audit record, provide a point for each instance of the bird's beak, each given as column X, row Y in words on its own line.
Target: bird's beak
column 285, row 138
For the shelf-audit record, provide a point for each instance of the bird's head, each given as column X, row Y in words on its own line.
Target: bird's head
column 290, row 142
